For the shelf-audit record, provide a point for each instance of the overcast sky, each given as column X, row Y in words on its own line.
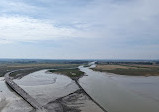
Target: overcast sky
column 79, row 29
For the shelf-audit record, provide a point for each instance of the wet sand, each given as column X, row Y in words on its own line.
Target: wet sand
column 74, row 102
column 10, row 101
column 56, row 92
column 46, row 87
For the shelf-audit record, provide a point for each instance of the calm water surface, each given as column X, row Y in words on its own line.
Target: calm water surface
column 118, row 93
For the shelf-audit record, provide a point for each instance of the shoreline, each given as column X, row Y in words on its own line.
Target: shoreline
column 90, row 96
column 79, row 91
column 76, row 79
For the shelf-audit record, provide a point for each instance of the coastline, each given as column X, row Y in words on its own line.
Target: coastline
column 76, row 79
column 87, row 100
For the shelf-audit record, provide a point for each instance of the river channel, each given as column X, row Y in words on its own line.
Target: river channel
column 115, row 93
column 118, row 93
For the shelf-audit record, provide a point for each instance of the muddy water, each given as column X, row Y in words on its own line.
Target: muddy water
column 122, row 93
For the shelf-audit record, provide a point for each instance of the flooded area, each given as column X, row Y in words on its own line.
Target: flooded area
column 118, row 93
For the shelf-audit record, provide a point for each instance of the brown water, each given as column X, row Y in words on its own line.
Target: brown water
column 118, row 93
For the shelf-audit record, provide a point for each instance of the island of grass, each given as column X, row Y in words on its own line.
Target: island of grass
column 73, row 73
column 129, row 69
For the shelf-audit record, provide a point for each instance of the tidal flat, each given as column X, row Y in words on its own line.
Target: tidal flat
column 81, row 89
column 55, row 92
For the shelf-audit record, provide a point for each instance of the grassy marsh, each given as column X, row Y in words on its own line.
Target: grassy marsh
column 70, row 72
column 129, row 69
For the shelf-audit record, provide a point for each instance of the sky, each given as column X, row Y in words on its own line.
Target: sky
column 79, row 29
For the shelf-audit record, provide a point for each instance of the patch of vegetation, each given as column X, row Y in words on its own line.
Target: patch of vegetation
column 73, row 73
column 136, row 72
column 131, row 70
column 4, row 68
column 86, row 65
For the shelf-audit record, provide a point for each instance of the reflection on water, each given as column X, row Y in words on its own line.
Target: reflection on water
column 122, row 93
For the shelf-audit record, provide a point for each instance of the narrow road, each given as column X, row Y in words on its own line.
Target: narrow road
column 23, row 93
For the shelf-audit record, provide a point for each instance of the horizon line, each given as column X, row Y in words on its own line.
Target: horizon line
column 68, row 59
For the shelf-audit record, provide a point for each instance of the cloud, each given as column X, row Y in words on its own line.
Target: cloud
column 128, row 18
column 113, row 27
column 29, row 29
column 20, row 28
column 111, row 19
column 9, row 7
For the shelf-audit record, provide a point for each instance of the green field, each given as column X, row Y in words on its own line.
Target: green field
column 35, row 66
